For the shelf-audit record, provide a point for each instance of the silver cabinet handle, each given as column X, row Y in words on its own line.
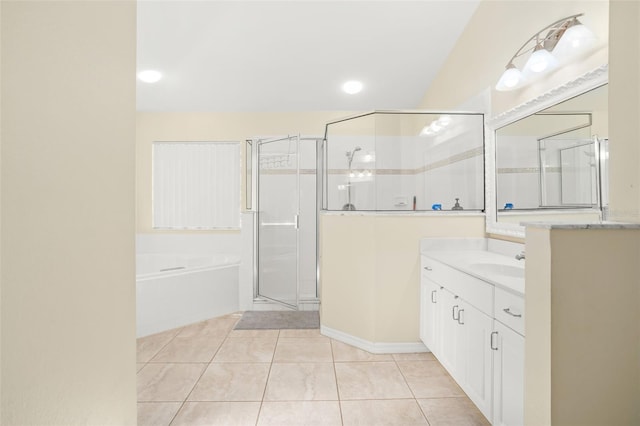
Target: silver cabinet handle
column 508, row 311
column 460, row 317
column 433, row 298
column 491, row 344
column 428, row 268
column 453, row 312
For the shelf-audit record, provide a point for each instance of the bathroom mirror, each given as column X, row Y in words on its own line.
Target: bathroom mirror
column 547, row 158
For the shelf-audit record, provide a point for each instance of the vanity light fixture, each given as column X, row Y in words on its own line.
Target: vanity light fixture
column 549, row 48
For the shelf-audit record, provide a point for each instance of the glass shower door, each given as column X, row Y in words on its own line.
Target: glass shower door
column 278, row 215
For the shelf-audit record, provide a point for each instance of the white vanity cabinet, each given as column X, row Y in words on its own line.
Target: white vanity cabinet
column 429, row 313
column 457, row 332
column 508, row 376
column 507, row 342
column 473, row 329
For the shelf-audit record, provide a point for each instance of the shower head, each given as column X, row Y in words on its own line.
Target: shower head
column 351, row 153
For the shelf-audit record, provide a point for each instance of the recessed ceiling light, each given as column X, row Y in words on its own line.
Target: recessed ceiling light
column 150, row 76
column 352, row 87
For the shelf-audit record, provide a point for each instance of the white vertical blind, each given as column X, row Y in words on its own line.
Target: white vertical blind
column 196, row 185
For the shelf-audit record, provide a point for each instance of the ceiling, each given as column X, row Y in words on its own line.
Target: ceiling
column 293, row 55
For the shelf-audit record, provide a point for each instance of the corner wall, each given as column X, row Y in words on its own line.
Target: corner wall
column 67, row 215
column 624, row 110
column 582, row 327
column 370, row 271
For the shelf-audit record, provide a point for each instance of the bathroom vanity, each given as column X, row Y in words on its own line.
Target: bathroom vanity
column 472, row 320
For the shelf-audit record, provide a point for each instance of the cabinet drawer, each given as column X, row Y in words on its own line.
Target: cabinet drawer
column 477, row 292
column 510, row 310
column 433, row 270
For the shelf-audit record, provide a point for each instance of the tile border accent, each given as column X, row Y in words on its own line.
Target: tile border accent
column 374, row 348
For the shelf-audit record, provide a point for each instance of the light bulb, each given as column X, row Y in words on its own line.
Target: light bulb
column 541, row 60
column 576, row 39
column 511, row 79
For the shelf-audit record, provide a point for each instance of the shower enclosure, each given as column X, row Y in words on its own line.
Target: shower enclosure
column 403, row 160
column 285, row 237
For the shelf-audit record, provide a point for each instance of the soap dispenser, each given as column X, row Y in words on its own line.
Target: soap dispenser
column 457, row 205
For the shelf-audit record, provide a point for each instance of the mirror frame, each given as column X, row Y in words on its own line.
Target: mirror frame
column 580, row 85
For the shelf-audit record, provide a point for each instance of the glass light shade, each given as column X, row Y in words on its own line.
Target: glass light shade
column 540, row 61
column 575, row 40
column 511, row 79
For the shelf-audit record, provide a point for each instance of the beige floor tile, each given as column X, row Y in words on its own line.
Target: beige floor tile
column 220, row 326
column 231, row 382
column 167, row 382
column 303, row 349
column 301, row 382
column 157, row 413
column 370, row 380
column 310, row 332
column 242, row 349
column 217, row 414
column 140, row 366
column 346, row 353
column 390, row 412
column 417, row 356
column 266, row 334
column 189, row 349
column 149, row 346
column 452, row 412
column 428, row 379
column 300, row 413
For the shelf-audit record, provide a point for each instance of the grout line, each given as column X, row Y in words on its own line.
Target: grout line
column 266, row 383
column 199, row 378
column 415, row 399
column 335, row 375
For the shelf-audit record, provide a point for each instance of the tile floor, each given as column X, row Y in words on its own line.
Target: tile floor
column 210, row 374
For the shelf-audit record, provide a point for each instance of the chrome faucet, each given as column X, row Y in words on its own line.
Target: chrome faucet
column 520, row 256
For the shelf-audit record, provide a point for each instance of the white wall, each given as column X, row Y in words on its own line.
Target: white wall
column 68, row 213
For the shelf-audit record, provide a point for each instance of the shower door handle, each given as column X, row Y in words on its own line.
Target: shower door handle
column 296, row 221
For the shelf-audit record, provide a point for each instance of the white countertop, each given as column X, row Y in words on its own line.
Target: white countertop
column 464, row 261
column 599, row 225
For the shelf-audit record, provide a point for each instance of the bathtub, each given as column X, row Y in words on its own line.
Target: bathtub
column 173, row 290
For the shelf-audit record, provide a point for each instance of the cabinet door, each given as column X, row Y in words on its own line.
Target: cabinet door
column 476, row 356
column 450, row 334
column 508, row 376
column 429, row 314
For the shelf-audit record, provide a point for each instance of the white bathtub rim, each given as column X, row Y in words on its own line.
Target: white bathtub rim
column 226, row 261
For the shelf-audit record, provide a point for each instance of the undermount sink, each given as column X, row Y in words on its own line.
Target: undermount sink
column 498, row 269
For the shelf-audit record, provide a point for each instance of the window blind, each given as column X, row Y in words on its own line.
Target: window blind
column 196, row 185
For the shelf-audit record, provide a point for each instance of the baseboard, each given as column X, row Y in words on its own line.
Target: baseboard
column 374, row 348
